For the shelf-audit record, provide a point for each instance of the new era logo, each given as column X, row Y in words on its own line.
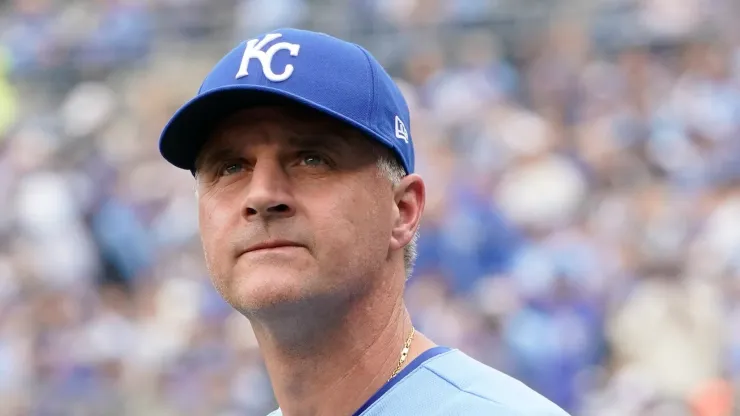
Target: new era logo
column 254, row 50
column 401, row 132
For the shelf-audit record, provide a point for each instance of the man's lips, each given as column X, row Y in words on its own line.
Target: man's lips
column 273, row 244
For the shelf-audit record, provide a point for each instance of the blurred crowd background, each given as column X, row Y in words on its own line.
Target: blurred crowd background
column 582, row 231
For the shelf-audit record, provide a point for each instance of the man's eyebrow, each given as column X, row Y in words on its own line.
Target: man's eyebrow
column 211, row 156
column 330, row 141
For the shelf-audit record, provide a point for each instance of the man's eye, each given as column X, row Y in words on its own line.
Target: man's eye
column 231, row 168
column 313, row 160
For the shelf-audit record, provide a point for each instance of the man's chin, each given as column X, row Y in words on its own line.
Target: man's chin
column 291, row 311
column 270, row 287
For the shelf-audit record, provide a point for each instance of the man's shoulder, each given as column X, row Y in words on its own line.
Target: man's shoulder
column 455, row 383
column 466, row 383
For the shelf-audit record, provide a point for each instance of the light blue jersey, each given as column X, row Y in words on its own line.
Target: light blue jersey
column 446, row 382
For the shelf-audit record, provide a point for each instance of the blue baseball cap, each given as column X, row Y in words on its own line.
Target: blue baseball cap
column 335, row 77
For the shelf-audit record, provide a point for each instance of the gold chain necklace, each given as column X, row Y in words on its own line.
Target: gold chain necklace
column 404, row 353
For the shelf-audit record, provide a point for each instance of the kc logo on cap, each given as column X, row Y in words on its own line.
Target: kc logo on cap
column 254, row 50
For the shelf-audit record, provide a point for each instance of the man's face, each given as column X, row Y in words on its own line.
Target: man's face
column 291, row 208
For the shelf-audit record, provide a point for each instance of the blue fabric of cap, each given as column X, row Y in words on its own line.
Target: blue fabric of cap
column 335, row 77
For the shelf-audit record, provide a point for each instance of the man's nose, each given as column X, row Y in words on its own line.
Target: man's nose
column 269, row 194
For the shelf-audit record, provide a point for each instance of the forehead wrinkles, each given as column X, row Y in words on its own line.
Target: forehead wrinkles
column 255, row 132
column 269, row 123
column 255, row 125
column 289, row 116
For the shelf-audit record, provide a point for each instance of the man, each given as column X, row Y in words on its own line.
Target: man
column 309, row 208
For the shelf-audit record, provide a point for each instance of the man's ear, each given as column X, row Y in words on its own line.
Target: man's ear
column 410, row 196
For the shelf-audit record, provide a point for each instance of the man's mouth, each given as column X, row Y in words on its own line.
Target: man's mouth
column 271, row 245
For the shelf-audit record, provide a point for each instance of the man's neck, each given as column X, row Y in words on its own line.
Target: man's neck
column 338, row 368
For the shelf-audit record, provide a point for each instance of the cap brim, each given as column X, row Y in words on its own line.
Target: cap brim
column 187, row 131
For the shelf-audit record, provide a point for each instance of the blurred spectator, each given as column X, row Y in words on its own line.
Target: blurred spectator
column 8, row 98
column 669, row 332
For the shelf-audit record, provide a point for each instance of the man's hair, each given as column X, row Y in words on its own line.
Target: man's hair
column 390, row 168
